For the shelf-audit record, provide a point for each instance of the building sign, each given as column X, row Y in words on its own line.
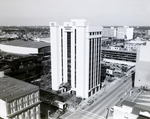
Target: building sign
column 68, row 27
column 109, row 71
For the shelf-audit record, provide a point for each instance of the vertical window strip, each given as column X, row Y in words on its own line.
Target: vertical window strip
column 62, row 51
column 69, row 56
column 100, row 60
column 75, row 56
column 89, row 64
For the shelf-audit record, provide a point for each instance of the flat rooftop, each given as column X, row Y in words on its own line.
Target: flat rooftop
column 23, row 43
column 11, row 88
column 128, row 103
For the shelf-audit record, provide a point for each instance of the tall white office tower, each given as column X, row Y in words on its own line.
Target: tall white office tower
column 76, row 56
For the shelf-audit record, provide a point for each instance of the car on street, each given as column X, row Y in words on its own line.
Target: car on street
column 90, row 102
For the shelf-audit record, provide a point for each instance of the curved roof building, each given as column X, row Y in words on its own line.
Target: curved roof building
column 24, row 47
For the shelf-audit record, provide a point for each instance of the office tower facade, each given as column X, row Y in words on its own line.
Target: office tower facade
column 75, row 56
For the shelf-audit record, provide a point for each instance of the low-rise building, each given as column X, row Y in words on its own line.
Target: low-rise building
column 130, row 110
column 24, row 47
column 132, row 45
column 118, row 54
column 18, row 99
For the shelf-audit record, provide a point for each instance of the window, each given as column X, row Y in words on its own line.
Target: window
column 36, row 96
column 25, row 101
column 31, row 111
column 31, row 98
column 11, row 110
column 26, row 114
column 19, row 104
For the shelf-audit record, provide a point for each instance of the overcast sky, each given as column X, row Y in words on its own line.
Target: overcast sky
column 98, row 12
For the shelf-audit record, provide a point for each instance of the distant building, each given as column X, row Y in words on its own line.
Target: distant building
column 132, row 45
column 110, row 72
column 142, row 71
column 24, row 47
column 76, row 56
column 129, row 110
column 47, row 40
column 148, row 32
column 11, row 36
column 125, row 33
column 109, row 32
column 115, row 47
column 18, row 99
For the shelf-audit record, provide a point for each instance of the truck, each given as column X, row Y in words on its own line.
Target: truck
column 59, row 104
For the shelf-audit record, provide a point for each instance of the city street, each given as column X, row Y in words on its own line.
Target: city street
column 104, row 101
column 109, row 99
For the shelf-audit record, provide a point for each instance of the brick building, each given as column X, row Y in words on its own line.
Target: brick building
column 18, row 99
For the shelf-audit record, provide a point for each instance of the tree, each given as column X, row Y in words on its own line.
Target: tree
column 124, row 69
